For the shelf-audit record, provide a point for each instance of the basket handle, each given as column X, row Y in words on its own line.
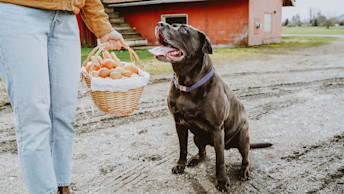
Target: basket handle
column 102, row 47
column 132, row 52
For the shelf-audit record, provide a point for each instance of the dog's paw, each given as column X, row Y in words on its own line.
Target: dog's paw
column 222, row 186
column 178, row 169
column 244, row 174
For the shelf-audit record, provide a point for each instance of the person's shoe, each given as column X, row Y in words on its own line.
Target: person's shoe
column 63, row 190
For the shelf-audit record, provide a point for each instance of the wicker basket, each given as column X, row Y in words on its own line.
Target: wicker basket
column 114, row 103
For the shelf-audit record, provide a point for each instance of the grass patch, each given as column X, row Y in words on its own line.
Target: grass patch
column 154, row 66
column 338, row 30
column 303, row 42
column 122, row 54
column 287, row 44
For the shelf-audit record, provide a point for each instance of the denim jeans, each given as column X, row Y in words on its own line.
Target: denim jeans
column 40, row 66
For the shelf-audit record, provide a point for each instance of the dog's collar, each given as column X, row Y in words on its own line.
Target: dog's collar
column 198, row 84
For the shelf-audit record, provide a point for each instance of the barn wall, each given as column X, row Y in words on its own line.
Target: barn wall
column 224, row 21
column 228, row 22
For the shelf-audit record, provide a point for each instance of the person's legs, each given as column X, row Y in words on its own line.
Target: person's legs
column 24, row 71
column 64, row 69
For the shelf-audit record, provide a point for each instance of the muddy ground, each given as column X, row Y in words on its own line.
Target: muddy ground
column 294, row 100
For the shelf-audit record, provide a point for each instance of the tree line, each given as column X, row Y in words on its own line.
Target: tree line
column 316, row 18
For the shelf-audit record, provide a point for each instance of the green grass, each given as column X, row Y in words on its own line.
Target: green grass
column 339, row 30
column 123, row 55
column 287, row 44
column 154, row 66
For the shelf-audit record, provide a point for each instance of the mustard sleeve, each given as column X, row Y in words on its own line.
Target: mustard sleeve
column 95, row 18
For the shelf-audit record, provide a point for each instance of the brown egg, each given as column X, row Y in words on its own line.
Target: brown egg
column 96, row 67
column 131, row 67
column 108, row 63
column 119, row 69
column 115, row 75
column 104, row 72
column 95, row 73
column 127, row 73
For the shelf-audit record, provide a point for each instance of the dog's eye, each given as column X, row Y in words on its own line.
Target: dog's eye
column 183, row 30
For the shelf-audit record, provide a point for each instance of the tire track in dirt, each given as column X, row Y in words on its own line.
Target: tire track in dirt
column 151, row 110
column 316, row 168
column 320, row 157
column 282, row 72
column 120, row 179
column 128, row 179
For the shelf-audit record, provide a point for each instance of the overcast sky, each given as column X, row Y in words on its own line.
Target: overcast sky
column 329, row 8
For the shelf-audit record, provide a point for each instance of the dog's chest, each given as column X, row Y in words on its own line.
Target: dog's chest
column 187, row 112
column 187, row 108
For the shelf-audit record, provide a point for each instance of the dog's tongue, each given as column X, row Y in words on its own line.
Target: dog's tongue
column 161, row 50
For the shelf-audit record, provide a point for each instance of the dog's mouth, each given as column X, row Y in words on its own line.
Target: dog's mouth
column 166, row 52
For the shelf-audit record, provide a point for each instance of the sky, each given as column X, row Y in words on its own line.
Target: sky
column 329, row 8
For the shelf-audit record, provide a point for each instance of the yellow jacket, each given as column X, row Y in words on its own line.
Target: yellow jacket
column 91, row 11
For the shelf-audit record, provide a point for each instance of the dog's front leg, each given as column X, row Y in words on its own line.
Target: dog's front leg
column 183, row 147
column 222, row 179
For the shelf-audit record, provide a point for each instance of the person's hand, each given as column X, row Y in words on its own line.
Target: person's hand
column 115, row 40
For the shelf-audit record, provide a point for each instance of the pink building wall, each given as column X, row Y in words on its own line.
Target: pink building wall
column 257, row 9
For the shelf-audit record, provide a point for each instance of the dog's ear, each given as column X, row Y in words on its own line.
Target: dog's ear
column 206, row 44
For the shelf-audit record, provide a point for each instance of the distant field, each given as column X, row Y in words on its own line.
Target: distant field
column 314, row 30
column 287, row 44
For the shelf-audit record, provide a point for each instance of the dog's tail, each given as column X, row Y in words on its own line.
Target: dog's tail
column 260, row 145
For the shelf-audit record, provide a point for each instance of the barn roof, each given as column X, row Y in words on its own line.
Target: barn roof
column 289, row 2
column 126, row 3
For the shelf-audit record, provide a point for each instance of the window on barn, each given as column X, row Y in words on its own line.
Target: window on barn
column 175, row 18
column 268, row 22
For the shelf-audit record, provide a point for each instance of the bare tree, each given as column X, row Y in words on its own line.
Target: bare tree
column 296, row 21
column 321, row 19
column 330, row 22
column 313, row 14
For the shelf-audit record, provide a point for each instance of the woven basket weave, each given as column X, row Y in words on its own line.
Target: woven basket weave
column 114, row 103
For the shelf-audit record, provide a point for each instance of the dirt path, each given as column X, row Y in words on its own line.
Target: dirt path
column 294, row 100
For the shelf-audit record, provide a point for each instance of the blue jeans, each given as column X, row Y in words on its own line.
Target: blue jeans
column 40, row 66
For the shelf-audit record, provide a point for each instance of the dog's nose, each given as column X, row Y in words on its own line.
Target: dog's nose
column 160, row 24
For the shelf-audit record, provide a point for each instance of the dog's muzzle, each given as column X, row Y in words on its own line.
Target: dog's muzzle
column 166, row 52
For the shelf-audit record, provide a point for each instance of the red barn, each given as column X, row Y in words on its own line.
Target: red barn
column 226, row 22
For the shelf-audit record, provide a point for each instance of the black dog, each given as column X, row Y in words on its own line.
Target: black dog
column 201, row 102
